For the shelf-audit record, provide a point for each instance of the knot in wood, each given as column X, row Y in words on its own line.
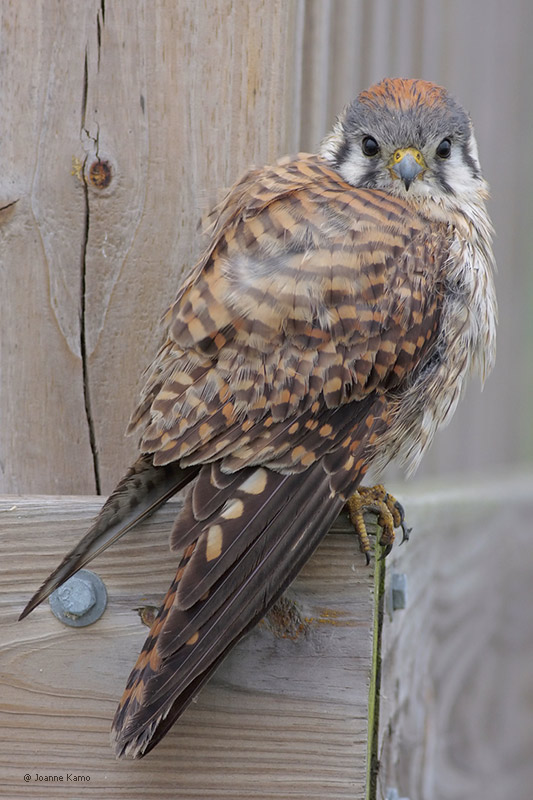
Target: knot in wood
column 100, row 174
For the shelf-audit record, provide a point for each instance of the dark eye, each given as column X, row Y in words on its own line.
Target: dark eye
column 369, row 146
column 444, row 149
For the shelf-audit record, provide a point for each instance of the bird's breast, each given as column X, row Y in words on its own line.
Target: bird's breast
column 465, row 342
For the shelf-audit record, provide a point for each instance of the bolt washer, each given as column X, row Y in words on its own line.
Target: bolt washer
column 81, row 600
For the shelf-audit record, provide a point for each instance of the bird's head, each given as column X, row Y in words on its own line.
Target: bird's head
column 409, row 138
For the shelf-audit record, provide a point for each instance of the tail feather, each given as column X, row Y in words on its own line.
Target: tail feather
column 185, row 645
column 183, row 623
column 142, row 490
column 228, row 535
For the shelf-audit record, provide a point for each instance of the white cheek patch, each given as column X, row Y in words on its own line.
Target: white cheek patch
column 458, row 173
column 332, row 143
column 355, row 168
column 473, row 151
column 355, row 165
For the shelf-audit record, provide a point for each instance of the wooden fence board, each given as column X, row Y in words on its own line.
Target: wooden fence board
column 283, row 718
column 195, row 103
column 41, row 244
column 457, row 663
column 178, row 99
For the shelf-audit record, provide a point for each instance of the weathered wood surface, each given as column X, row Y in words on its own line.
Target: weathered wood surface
column 41, row 247
column 283, row 718
column 457, row 664
column 177, row 98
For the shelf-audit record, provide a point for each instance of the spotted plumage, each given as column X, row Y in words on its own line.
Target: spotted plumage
column 328, row 326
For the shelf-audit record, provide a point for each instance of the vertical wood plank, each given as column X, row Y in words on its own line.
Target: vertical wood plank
column 181, row 98
column 177, row 98
column 480, row 51
column 456, row 713
column 44, row 443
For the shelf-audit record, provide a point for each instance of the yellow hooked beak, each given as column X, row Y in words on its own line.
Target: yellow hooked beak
column 408, row 164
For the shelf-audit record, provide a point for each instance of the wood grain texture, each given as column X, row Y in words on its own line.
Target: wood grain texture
column 283, row 718
column 182, row 97
column 41, row 243
column 177, row 98
column 457, row 680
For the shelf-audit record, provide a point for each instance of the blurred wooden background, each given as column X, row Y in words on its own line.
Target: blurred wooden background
column 456, row 706
column 121, row 120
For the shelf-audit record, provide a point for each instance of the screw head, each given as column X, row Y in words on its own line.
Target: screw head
column 396, row 594
column 81, row 600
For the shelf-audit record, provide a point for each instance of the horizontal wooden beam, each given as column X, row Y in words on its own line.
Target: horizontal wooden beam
column 285, row 716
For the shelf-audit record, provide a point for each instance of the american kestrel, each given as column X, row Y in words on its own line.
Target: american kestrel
column 328, row 326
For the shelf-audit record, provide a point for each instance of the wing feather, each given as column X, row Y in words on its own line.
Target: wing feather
column 334, row 309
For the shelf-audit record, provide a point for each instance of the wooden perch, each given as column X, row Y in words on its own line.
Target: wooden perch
column 285, row 716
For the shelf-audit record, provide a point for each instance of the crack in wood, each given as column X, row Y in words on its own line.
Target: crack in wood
column 83, row 294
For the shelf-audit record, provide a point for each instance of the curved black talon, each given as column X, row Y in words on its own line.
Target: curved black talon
column 400, row 509
column 390, row 515
column 405, row 530
column 385, row 552
column 405, row 533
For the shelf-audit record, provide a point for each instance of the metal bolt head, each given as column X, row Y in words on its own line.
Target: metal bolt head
column 79, row 601
column 76, row 596
column 396, row 595
column 399, row 590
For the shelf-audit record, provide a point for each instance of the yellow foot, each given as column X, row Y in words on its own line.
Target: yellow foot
column 390, row 515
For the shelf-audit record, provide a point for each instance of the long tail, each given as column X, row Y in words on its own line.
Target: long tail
column 240, row 560
column 142, row 490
